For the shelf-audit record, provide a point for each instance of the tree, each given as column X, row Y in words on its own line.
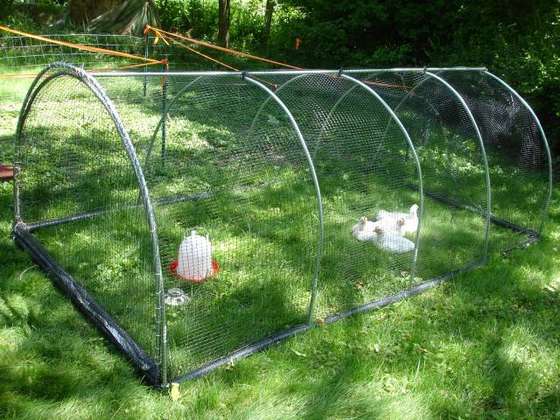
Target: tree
column 6, row 8
column 223, row 22
column 269, row 11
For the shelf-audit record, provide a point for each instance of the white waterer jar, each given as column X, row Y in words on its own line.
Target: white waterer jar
column 195, row 257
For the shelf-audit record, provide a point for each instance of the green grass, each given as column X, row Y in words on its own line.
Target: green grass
column 485, row 344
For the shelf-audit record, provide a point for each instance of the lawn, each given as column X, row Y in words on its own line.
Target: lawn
column 485, row 344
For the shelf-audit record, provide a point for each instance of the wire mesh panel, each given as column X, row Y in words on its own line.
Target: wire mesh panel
column 363, row 172
column 453, row 164
column 141, row 102
column 22, row 57
column 248, row 191
column 25, row 53
column 78, row 192
column 517, row 155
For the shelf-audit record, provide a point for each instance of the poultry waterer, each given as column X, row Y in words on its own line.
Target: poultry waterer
column 194, row 262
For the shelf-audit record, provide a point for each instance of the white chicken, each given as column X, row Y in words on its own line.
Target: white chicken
column 386, row 239
column 364, row 230
column 401, row 223
column 391, row 241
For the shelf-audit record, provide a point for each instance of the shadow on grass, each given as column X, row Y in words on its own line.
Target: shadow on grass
column 485, row 344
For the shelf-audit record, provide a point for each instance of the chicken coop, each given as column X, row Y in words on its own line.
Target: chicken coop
column 198, row 217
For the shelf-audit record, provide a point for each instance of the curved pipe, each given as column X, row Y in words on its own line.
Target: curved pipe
column 328, row 118
column 30, row 92
column 30, row 96
column 303, row 144
column 545, row 141
column 484, row 158
column 357, row 84
column 99, row 93
column 415, row 155
column 331, row 111
column 34, row 89
column 408, row 95
column 290, row 81
column 480, row 141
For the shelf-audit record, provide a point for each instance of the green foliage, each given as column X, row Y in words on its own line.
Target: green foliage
column 483, row 345
column 179, row 15
column 26, row 15
column 6, row 8
column 518, row 41
column 381, row 32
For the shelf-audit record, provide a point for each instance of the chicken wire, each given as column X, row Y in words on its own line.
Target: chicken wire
column 275, row 169
column 454, row 166
column 77, row 191
column 26, row 54
column 358, row 148
column 518, row 155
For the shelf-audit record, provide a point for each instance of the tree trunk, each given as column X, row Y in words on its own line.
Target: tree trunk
column 269, row 11
column 223, row 22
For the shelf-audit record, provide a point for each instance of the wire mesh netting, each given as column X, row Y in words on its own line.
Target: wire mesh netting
column 359, row 154
column 78, row 190
column 279, row 199
column 248, row 188
column 22, row 53
column 453, row 167
column 517, row 154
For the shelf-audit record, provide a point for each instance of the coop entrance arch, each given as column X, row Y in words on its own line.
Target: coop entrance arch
column 152, row 364
column 545, row 144
column 467, row 110
column 518, row 155
column 271, row 96
column 448, row 138
column 356, row 84
column 356, row 155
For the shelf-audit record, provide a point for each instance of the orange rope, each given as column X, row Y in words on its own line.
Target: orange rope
column 214, row 60
column 130, row 66
column 80, row 46
column 210, row 58
column 158, row 32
